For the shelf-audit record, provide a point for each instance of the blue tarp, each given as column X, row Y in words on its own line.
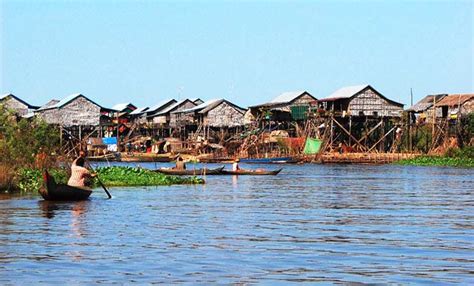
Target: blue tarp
column 109, row 140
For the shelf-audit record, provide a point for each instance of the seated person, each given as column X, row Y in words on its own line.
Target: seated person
column 235, row 165
column 180, row 165
column 80, row 176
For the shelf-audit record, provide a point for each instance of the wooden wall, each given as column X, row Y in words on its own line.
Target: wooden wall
column 369, row 103
column 176, row 118
column 79, row 112
column 224, row 115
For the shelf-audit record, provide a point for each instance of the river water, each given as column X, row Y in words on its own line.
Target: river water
column 311, row 223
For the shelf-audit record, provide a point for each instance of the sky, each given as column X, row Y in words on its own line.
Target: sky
column 245, row 51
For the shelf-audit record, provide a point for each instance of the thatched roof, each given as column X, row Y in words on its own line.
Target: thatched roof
column 426, row 103
column 455, row 99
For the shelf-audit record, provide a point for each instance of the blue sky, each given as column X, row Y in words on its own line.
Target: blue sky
column 247, row 52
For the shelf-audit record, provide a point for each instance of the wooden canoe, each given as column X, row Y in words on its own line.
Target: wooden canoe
column 251, row 172
column 191, row 172
column 61, row 192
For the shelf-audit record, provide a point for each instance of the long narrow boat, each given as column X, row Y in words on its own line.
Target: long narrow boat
column 277, row 160
column 191, row 172
column 61, row 192
column 251, row 172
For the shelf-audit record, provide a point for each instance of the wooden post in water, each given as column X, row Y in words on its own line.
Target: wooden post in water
column 350, row 128
column 118, row 133
column 434, row 122
column 60, row 138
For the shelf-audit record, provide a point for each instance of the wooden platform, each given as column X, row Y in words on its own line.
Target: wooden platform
column 360, row 158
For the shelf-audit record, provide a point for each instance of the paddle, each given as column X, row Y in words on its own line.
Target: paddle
column 100, row 182
column 103, row 186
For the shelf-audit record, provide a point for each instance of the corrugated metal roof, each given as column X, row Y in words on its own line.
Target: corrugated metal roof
column 49, row 104
column 172, row 107
column 28, row 115
column 455, row 99
column 139, row 110
column 160, row 104
column 287, row 96
column 218, row 102
column 426, row 103
column 201, row 106
column 66, row 100
column 121, row 106
column 346, row 92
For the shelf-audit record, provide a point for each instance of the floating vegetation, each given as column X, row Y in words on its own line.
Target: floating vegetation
column 128, row 176
column 453, row 158
column 31, row 180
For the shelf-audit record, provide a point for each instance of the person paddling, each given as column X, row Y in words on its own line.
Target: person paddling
column 235, row 165
column 180, row 165
column 80, row 176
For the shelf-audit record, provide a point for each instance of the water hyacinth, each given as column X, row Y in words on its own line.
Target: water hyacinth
column 128, row 176
column 31, row 180
column 453, row 157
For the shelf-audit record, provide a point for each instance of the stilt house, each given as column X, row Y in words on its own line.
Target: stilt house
column 74, row 110
column 214, row 113
column 360, row 101
column 423, row 109
column 456, row 105
column 285, row 107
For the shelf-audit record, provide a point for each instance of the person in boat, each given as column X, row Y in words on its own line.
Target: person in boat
column 80, row 176
column 180, row 165
column 235, row 165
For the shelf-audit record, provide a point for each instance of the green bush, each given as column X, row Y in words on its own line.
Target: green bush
column 31, row 180
column 22, row 140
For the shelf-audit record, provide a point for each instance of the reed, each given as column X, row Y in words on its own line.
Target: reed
column 7, row 175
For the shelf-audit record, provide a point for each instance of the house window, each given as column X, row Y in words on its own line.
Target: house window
column 375, row 113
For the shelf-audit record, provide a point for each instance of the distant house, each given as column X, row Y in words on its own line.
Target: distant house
column 218, row 113
column 21, row 107
column 167, row 118
column 282, row 107
column 454, row 105
column 124, row 107
column 361, row 100
column 122, row 112
column 423, row 109
column 74, row 110
column 139, row 115
column 152, row 111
